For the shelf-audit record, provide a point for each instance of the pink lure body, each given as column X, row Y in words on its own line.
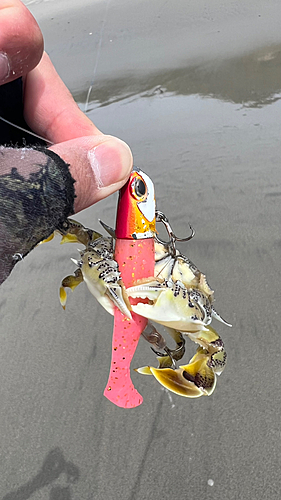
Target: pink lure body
column 136, row 260
column 134, row 252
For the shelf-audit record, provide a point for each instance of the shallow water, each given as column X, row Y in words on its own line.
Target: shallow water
column 205, row 125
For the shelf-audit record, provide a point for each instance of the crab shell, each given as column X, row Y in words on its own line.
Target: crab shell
column 179, row 295
column 179, row 268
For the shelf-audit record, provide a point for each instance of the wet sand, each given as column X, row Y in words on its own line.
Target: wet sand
column 196, row 93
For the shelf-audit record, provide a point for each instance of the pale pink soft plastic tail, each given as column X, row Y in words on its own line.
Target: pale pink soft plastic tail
column 136, row 261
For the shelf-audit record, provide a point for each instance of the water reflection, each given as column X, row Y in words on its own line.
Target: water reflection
column 252, row 80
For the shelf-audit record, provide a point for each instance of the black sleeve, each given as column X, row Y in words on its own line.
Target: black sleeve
column 11, row 108
column 36, row 187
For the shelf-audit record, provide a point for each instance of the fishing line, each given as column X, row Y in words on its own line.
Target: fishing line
column 91, row 85
column 98, row 56
column 25, row 130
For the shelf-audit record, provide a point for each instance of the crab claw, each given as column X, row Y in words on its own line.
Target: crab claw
column 103, row 279
column 173, row 305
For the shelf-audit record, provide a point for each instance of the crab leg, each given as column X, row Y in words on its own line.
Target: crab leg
column 71, row 282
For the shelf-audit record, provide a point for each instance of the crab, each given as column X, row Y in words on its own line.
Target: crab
column 178, row 297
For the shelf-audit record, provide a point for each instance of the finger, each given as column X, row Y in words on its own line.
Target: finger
column 50, row 109
column 21, row 41
column 99, row 164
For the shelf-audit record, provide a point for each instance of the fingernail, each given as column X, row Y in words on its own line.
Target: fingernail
column 4, row 67
column 111, row 162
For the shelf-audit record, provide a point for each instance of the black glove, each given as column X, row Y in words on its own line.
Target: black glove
column 36, row 187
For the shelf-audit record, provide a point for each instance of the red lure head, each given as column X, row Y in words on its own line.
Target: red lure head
column 136, row 208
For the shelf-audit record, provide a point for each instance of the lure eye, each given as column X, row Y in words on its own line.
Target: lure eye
column 140, row 187
column 139, row 190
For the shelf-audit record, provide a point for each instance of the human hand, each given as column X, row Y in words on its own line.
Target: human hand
column 100, row 164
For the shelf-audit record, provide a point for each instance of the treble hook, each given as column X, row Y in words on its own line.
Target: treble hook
column 163, row 355
column 174, row 354
column 160, row 217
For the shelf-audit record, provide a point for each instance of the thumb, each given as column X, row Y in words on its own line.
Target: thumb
column 99, row 164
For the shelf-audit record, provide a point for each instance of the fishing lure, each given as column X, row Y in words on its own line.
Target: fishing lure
column 139, row 278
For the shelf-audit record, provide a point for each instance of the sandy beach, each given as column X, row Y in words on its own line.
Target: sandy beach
column 195, row 91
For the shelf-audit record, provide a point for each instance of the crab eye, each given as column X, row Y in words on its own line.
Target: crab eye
column 139, row 188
